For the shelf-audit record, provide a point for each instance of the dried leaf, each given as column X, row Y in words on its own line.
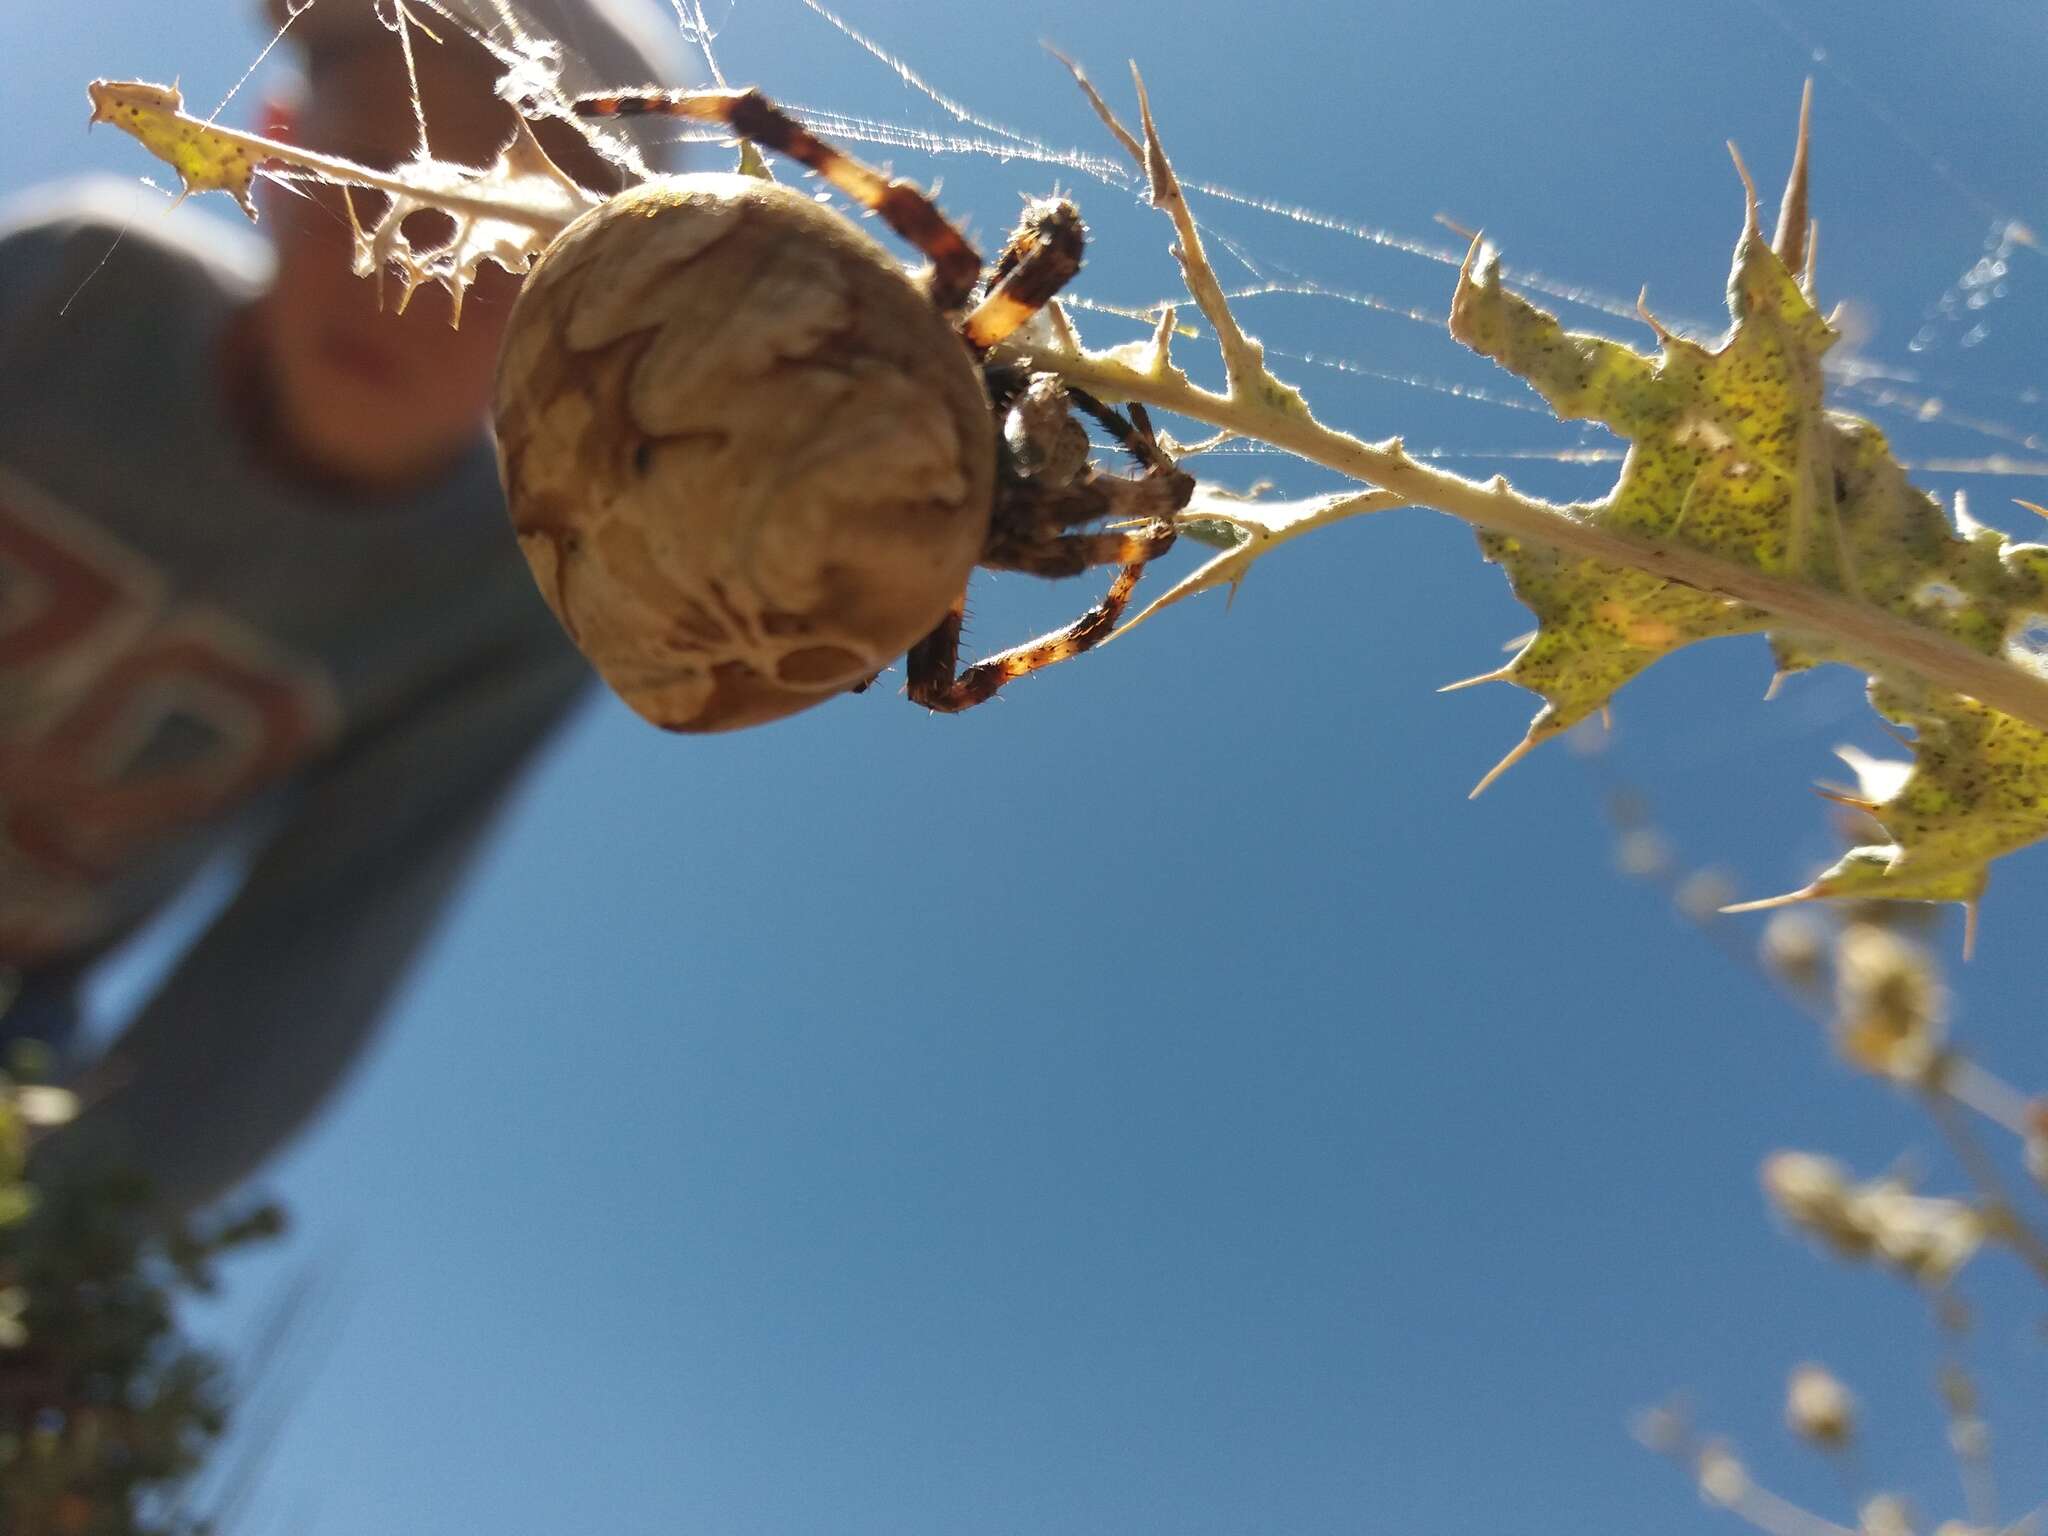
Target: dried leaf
column 206, row 158
column 505, row 213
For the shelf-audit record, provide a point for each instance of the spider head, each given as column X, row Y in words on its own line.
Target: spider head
column 1044, row 441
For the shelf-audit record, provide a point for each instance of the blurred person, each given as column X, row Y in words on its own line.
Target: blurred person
column 258, row 596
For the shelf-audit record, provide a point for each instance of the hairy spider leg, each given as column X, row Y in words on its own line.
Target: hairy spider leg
column 1041, row 257
column 1030, row 536
column 1135, row 435
column 956, row 265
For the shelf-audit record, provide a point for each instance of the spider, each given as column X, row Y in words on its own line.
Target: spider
column 752, row 460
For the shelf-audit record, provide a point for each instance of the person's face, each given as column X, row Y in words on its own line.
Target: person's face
column 366, row 394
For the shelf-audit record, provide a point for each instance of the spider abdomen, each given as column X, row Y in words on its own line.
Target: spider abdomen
column 748, row 461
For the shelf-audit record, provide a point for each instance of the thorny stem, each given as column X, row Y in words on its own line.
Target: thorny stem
column 1497, row 506
column 1244, row 360
column 1257, row 406
column 1988, row 1094
column 1973, row 1464
column 1848, row 1467
column 1983, row 1172
column 1966, row 1435
column 1767, row 1511
column 546, row 218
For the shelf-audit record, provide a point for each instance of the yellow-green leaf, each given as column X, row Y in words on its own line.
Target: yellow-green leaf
column 207, row 159
column 1733, row 452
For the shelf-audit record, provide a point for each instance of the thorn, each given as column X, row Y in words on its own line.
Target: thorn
column 1244, row 364
column 1966, row 525
column 1790, row 240
column 1497, row 675
column 1522, row 750
column 1162, row 340
column 1455, row 227
column 1749, row 225
column 1811, row 275
column 1777, row 682
column 1607, row 718
column 1123, row 135
column 1850, row 798
column 1157, row 174
column 1970, row 929
column 2033, row 507
column 1643, row 309
column 1471, row 262
column 1790, row 898
column 1064, row 334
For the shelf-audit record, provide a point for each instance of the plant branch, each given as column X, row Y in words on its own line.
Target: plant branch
column 1257, row 406
column 2011, row 1227
column 1498, row 506
column 208, row 157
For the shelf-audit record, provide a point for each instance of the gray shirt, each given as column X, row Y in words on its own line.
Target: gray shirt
column 189, row 646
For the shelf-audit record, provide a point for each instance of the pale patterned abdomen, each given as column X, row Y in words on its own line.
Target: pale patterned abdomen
column 749, row 463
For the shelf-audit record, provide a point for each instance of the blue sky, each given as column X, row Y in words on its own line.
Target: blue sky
column 1159, row 1101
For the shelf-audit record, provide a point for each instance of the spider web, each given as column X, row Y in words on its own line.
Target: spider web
column 1328, row 288
column 1927, row 372
column 1954, row 415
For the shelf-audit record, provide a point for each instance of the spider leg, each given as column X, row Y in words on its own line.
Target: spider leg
column 1032, row 536
column 1040, row 259
column 936, row 682
column 1056, row 556
column 1134, row 436
column 956, row 266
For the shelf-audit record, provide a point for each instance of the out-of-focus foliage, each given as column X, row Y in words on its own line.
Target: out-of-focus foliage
column 1865, row 974
column 104, row 1410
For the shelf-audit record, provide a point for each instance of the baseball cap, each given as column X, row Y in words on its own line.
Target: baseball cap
column 600, row 45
